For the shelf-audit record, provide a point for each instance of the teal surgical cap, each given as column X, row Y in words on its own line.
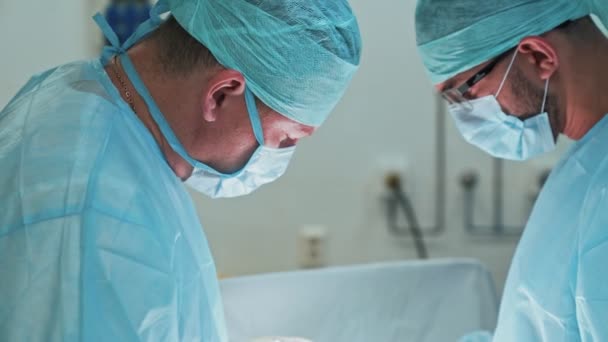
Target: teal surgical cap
column 454, row 36
column 297, row 56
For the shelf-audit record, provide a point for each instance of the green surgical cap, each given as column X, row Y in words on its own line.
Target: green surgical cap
column 454, row 36
column 297, row 56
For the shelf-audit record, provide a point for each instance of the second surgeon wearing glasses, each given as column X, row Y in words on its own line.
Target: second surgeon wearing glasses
column 504, row 109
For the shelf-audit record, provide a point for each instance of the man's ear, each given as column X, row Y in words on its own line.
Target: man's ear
column 539, row 52
column 223, row 84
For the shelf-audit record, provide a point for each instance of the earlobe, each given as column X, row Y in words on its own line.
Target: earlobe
column 548, row 67
column 209, row 108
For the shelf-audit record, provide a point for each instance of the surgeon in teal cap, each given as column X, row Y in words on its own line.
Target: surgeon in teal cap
column 516, row 74
column 99, row 240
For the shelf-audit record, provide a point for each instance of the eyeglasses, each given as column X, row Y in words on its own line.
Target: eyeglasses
column 456, row 96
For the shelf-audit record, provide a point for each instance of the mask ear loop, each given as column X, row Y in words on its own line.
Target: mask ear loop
column 507, row 73
column 542, row 110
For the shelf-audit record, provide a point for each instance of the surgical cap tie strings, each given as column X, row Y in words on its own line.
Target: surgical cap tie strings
column 144, row 29
column 121, row 50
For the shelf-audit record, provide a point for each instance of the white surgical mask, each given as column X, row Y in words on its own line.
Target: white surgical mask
column 501, row 135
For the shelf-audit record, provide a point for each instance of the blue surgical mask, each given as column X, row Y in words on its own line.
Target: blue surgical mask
column 265, row 164
column 504, row 136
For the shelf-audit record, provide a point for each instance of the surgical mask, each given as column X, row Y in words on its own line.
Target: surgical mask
column 504, row 136
column 265, row 164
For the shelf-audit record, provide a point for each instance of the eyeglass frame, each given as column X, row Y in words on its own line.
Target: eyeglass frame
column 457, row 95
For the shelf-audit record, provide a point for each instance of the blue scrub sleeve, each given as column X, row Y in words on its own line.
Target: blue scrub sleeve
column 591, row 289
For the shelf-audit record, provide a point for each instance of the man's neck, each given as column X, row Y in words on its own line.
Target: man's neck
column 149, row 77
column 587, row 91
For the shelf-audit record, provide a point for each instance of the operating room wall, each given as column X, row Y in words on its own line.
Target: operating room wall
column 38, row 34
column 387, row 117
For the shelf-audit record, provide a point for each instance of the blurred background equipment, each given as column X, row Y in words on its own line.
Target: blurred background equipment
column 124, row 16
